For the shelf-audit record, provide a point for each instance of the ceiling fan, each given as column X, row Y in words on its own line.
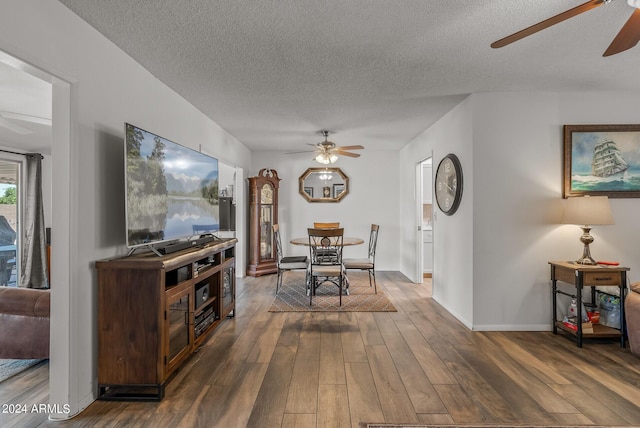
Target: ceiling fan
column 627, row 38
column 327, row 152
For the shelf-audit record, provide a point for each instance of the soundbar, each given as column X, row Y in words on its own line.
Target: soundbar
column 172, row 248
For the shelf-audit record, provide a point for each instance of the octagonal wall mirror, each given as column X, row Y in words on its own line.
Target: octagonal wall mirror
column 323, row 185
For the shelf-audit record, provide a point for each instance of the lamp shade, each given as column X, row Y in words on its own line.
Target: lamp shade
column 587, row 210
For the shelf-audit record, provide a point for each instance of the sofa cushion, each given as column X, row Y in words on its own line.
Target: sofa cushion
column 635, row 287
column 24, row 317
column 25, row 301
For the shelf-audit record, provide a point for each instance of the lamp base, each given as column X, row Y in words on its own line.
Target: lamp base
column 586, row 239
column 586, row 261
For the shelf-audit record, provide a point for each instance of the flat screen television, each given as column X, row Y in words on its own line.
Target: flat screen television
column 171, row 190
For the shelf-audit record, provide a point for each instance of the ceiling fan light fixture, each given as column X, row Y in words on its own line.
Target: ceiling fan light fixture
column 322, row 158
column 326, row 158
column 634, row 3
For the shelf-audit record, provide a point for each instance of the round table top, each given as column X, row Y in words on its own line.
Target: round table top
column 345, row 241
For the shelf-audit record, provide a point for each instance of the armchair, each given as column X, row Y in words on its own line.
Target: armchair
column 24, row 317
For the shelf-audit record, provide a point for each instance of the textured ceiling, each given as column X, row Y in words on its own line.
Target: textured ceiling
column 274, row 73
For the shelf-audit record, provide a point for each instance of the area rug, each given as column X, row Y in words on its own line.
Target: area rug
column 292, row 296
column 10, row 368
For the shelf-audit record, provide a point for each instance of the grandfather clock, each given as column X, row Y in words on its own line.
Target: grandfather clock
column 263, row 214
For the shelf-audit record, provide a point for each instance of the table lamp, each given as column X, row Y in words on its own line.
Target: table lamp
column 587, row 211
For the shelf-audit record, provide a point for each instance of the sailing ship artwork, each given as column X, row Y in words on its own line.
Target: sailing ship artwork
column 608, row 161
column 605, row 163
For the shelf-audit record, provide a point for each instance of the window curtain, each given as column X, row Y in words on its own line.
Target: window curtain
column 34, row 249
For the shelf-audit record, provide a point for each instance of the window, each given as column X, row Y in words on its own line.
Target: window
column 9, row 222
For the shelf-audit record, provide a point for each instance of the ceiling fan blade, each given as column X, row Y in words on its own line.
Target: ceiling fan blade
column 13, row 127
column 358, row 147
column 628, row 37
column 351, row 155
column 547, row 23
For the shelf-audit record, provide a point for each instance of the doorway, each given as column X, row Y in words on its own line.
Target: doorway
column 424, row 210
column 55, row 142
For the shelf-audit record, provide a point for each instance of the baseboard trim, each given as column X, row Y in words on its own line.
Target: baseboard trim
column 504, row 327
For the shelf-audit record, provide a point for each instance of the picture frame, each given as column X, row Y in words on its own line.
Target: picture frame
column 337, row 189
column 601, row 160
column 309, row 191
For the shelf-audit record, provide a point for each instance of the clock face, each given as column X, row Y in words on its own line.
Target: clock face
column 448, row 184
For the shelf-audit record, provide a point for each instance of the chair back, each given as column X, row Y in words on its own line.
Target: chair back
column 335, row 225
column 278, row 242
column 373, row 241
column 325, row 245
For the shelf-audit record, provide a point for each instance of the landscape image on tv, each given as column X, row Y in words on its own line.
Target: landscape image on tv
column 172, row 191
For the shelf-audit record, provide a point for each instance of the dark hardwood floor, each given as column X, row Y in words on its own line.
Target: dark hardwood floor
column 417, row 365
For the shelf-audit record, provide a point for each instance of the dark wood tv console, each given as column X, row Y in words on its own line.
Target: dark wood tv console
column 155, row 311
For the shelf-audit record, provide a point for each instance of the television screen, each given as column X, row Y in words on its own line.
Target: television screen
column 171, row 190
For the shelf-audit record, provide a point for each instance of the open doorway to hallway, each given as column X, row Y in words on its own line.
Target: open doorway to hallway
column 424, row 199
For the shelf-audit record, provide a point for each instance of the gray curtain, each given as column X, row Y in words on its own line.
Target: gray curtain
column 34, row 249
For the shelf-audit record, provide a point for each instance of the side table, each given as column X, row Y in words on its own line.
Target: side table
column 581, row 276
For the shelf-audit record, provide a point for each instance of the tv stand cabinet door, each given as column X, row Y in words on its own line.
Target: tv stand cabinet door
column 178, row 327
column 129, row 317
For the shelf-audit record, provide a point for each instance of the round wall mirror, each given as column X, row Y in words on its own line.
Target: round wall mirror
column 323, row 185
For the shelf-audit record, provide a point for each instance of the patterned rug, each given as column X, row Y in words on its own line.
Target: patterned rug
column 292, row 296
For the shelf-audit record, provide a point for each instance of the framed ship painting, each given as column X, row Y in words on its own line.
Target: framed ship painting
column 602, row 160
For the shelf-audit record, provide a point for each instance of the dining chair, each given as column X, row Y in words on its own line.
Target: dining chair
column 324, row 268
column 289, row 263
column 368, row 264
column 318, row 225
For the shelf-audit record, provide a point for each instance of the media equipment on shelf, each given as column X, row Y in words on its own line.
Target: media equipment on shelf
column 203, row 293
column 204, row 320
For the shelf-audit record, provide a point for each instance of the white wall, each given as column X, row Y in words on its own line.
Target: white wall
column 491, row 257
column 373, row 198
column 107, row 88
column 518, row 157
column 452, row 235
